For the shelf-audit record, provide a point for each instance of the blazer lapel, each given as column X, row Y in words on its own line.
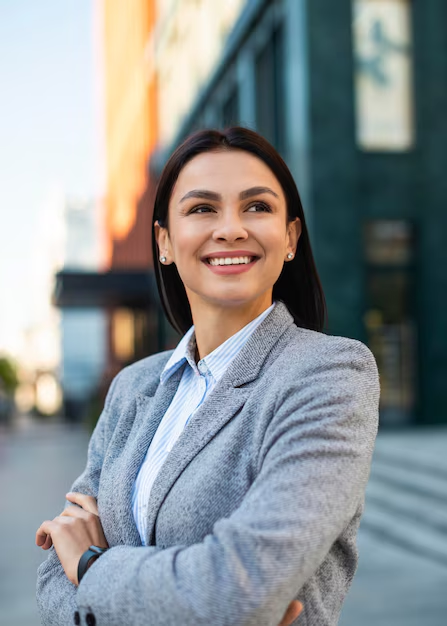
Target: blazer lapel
column 221, row 406
column 223, row 403
column 149, row 413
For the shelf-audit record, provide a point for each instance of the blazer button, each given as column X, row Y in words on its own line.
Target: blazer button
column 90, row 619
column 77, row 618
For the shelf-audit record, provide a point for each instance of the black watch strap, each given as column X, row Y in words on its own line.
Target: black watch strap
column 85, row 559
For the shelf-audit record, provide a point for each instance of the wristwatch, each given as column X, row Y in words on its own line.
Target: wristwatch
column 93, row 551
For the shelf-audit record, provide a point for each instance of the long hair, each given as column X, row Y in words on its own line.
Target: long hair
column 298, row 285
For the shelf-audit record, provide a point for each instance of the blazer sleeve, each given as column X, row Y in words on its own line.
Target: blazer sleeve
column 55, row 594
column 314, row 464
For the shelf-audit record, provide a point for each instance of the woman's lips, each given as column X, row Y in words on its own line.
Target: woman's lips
column 231, row 269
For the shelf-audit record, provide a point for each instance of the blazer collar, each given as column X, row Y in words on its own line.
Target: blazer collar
column 248, row 363
column 220, row 358
column 225, row 401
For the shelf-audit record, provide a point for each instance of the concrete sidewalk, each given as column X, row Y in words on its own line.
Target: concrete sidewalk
column 38, row 462
column 402, row 575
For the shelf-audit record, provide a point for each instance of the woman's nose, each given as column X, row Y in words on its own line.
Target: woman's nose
column 230, row 227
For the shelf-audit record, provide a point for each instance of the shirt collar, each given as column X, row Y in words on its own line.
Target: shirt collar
column 217, row 361
column 185, row 351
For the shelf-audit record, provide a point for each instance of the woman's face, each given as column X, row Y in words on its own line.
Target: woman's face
column 227, row 205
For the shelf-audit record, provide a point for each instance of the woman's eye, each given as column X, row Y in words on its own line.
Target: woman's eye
column 201, row 209
column 261, row 206
column 258, row 206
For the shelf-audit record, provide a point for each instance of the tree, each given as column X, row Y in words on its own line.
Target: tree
column 8, row 375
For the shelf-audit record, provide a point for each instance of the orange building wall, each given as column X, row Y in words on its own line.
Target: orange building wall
column 131, row 129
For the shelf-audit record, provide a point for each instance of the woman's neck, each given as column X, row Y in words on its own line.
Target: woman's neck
column 214, row 325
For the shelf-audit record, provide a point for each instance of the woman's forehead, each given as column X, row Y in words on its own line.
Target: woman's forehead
column 225, row 171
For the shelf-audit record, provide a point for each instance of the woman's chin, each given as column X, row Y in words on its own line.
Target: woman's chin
column 228, row 299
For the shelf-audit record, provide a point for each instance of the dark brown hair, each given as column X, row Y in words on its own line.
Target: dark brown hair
column 298, row 285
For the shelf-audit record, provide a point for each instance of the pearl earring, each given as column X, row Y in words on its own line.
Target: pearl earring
column 163, row 259
column 290, row 255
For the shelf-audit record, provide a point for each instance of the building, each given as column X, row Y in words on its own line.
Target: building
column 83, row 329
column 124, row 286
column 131, row 120
column 152, row 69
column 188, row 40
column 353, row 96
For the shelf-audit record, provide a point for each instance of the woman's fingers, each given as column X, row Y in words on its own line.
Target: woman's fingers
column 88, row 503
column 87, row 506
column 72, row 533
column 43, row 535
column 293, row 611
column 76, row 511
column 44, row 541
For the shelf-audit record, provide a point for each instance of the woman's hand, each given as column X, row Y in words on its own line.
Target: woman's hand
column 292, row 613
column 73, row 536
column 44, row 540
column 72, row 532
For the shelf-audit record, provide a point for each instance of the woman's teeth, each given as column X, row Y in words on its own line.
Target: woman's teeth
column 237, row 260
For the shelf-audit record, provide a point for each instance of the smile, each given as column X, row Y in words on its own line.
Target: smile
column 237, row 260
column 230, row 265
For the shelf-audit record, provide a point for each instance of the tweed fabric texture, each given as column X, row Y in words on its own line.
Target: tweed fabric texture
column 258, row 502
column 197, row 382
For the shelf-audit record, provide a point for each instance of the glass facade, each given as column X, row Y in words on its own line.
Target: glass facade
column 270, row 96
column 340, row 92
column 383, row 74
column 230, row 109
column 390, row 318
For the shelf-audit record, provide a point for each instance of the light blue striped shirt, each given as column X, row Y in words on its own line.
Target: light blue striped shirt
column 196, row 384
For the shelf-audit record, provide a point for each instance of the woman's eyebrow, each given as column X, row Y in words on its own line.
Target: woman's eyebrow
column 204, row 194
column 256, row 191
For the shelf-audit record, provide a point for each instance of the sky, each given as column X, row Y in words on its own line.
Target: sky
column 48, row 135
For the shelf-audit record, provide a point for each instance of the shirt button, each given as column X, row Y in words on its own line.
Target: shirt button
column 77, row 618
column 90, row 619
column 202, row 367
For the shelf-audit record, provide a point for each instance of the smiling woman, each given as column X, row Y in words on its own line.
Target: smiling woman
column 247, row 180
column 241, row 219
column 225, row 479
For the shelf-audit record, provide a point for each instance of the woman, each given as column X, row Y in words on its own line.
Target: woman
column 230, row 473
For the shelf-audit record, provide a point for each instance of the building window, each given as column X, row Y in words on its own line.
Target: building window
column 383, row 74
column 389, row 319
column 270, row 92
column 123, row 334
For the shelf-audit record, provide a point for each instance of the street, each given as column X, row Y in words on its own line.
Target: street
column 38, row 463
column 402, row 574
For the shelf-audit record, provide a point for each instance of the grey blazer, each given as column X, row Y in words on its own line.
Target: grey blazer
column 258, row 502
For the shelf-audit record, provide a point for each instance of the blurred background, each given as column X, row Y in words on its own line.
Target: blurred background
column 95, row 96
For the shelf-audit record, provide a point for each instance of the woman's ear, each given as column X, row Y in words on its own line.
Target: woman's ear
column 160, row 235
column 294, row 233
column 162, row 239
